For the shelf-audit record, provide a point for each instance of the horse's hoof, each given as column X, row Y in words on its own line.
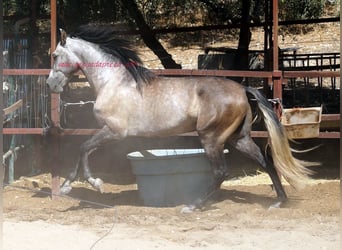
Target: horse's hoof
column 97, row 184
column 65, row 189
column 188, row 209
column 275, row 205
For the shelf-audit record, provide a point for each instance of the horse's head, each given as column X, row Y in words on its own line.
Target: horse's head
column 65, row 63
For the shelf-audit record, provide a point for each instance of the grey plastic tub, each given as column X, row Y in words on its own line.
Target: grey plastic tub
column 171, row 177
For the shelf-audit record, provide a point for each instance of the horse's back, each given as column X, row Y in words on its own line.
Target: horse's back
column 218, row 92
column 222, row 87
column 213, row 85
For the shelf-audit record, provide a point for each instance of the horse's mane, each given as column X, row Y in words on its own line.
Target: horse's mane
column 107, row 38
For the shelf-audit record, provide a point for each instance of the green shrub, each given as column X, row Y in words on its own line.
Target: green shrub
column 300, row 9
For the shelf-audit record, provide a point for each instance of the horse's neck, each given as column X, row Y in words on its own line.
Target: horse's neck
column 98, row 67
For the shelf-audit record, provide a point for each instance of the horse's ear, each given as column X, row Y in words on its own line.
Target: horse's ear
column 63, row 37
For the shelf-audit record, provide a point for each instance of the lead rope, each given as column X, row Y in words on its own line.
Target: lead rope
column 108, row 232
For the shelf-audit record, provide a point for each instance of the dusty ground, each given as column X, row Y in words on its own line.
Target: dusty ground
column 236, row 218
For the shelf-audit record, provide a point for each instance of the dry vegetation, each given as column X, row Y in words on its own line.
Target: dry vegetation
column 321, row 38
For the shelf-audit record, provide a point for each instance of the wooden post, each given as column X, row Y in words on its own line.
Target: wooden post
column 55, row 101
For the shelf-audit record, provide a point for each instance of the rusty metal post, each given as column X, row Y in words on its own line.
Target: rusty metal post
column 55, row 101
column 267, row 81
column 277, row 75
column 1, row 118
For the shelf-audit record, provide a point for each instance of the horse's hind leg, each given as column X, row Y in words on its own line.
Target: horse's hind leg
column 104, row 135
column 215, row 154
column 213, row 133
column 246, row 145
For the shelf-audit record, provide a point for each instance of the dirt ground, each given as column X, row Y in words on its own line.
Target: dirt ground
column 237, row 216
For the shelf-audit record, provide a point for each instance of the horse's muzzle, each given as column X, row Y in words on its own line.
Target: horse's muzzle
column 56, row 81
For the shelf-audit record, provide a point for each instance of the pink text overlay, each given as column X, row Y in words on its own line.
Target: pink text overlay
column 97, row 64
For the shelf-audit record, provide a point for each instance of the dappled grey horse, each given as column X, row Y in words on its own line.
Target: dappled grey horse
column 131, row 101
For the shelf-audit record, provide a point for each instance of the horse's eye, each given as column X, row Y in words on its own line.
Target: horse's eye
column 54, row 55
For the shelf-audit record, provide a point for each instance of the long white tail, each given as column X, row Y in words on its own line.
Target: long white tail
column 288, row 166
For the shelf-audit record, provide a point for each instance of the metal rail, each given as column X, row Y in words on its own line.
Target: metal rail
column 180, row 72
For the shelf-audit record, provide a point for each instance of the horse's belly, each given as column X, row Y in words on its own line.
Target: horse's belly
column 164, row 127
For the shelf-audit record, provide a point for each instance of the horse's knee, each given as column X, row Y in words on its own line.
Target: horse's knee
column 84, row 148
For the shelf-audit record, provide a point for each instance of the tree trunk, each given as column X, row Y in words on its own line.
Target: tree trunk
column 241, row 58
column 148, row 36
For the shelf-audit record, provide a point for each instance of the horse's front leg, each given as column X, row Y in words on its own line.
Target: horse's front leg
column 104, row 135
